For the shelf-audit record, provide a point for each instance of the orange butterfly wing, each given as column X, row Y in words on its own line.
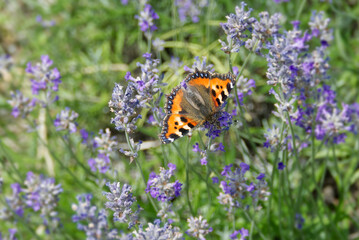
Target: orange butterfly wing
column 220, row 87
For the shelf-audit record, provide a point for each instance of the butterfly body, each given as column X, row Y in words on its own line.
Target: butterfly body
column 195, row 103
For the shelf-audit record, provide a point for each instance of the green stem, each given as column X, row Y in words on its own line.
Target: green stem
column 140, row 168
column 274, row 169
column 185, row 159
column 144, row 180
column 300, row 9
column 77, row 180
column 10, row 160
column 67, row 145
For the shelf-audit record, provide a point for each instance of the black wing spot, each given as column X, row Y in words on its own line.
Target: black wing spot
column 217, row 86
column 224, row 96
column 213, row 92
column 175, row 127
column 174, row 136
column 221, row 87
column 190, row 125
column 183, row 119
column 219, row 102
column 184, row 131
column 176, row 123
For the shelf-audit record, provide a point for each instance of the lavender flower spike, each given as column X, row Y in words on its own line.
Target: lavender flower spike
column 120, row 200
column 198, row 227
column 160, row 186
column 65, row 120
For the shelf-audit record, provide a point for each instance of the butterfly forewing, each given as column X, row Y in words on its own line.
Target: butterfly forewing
column 220, row 87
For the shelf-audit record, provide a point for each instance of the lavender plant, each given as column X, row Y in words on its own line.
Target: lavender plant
column 296, row 181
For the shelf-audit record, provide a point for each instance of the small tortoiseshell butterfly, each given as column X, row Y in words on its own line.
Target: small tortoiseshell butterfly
column 195, row 103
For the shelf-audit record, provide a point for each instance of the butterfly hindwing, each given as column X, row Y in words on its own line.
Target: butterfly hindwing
column 220, row 87
column 176, row 126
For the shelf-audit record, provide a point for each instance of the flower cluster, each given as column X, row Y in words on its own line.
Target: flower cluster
column 44, row 79
column 236, row 190
column 219, row 122
column 103, row 145
column 139, row 93
column 244, row 86
column 190, row 8
column 332, row 123
column 21, row 105
column 91, row 220
column 155, row 231
column 160, row 186
column 11, row 236
column 40, row 194
column 45, row 23
column 146, row 20
column 198, row 227
column 243, row 232
column 242, row 29
column 65, row 120
column 121, row 200
column 200, row 65
column 203, row 153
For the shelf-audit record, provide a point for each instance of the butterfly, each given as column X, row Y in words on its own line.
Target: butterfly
column 193, row 103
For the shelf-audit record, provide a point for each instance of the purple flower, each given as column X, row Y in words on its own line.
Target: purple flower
column 243, row 232
column 261, row 176
column 101, row 163
column 21, row 105
column 41, row 193
column 104, row 142
column 126, row 103
column 220, row 147
column 120, row 200
column 191, row 9
column 155, row 231
column 196, row 148
column 244, row 86
column 226, row 169
column 200, row 65
column 91, row 220
column 160, row 186
column 11, row 236
column 45, row 23
column 203, row 161
column 215, row 180
column 281, row 166
column 14, row 204
column 198, row 227
column 236, row 189
column 319, row 26
column 65, row 120
column 146, row 20
column 222, row 122
column 44, row 79
column 250, row 187
column 236, row 28
column 299, row 221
